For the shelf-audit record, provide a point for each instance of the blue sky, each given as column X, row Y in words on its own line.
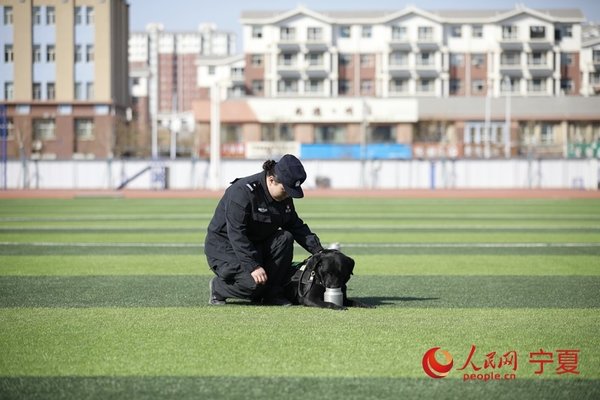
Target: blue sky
column 184, row 15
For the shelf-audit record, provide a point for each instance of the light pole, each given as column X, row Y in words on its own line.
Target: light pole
column 508, row 88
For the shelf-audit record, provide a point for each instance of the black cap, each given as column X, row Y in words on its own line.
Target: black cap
column 291, row 174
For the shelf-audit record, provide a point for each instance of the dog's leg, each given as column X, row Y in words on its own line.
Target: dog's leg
column 322, row 304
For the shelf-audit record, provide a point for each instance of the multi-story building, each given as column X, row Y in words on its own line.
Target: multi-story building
column 164, row 81
column 481, row 83
column 63, row 77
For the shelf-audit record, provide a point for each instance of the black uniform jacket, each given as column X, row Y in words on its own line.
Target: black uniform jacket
column 248, row 215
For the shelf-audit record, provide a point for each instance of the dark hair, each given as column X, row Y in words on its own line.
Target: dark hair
column 269, row 168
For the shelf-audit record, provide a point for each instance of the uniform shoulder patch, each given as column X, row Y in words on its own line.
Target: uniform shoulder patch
column 252, row 185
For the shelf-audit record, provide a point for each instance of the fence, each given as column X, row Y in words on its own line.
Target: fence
column 338, row 174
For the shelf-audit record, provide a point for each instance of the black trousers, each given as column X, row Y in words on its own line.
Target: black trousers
column 233, row 281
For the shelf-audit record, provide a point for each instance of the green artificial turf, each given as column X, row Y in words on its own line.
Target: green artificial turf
column 106, row 298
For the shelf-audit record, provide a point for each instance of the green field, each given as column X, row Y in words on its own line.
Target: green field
column 107, row 298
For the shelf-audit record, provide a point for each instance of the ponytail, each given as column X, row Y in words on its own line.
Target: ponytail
column 269, row 167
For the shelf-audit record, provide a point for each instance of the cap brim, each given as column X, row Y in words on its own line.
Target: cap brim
column 295, row 192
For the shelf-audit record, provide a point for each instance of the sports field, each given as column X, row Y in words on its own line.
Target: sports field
column 107, row 298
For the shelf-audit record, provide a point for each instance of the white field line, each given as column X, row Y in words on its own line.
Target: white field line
column 351, row 245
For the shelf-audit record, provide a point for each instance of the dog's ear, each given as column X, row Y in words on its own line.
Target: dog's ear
column 313, row 261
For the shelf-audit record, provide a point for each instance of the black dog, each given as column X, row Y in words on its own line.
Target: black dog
column 326, row 269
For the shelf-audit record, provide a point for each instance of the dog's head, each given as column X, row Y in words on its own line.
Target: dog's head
column 332, row 267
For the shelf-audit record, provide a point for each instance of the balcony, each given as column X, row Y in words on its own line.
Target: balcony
column 540, row 44
column 539, row 67
column 511, row 41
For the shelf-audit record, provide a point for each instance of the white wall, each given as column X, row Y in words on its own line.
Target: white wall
column 381, row 174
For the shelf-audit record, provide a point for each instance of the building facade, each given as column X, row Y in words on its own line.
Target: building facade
column 64, row 77
column 164, row 83
column 475, row 78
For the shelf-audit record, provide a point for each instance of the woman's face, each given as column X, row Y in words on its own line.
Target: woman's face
column 276, row 190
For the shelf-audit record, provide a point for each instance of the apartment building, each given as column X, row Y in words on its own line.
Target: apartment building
column 475, row 78
column 63, row 77
column 171, row 58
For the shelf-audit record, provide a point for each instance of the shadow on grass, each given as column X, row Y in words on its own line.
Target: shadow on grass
column 386, row 300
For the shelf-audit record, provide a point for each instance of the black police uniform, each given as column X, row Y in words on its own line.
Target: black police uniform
column 250, row 229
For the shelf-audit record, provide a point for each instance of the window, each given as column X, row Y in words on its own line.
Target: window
column 315, row 59
column 399, row 33
column 537, row 32
column 9, row 54
column 366, row 87
column 8, row 15
column 89, row 53
column 231, row 133
column 315, row 34
column 315, row 85
column 287, row 86
column 537, row 58
column 425, row 85
column 399, row 58
column 276, row 132
column 89, row 15
column 595, row 78
column 9, row 93
column 256, row 60
column 237, row 73
column 344, row 86
column 257, row 86
column 398, row 85
column 477, row 31
column 547, row 133
column 36, row 16
column 78, row 56
column 78, row 16
column 382, row 134
column 536, row 85
column 344, row 60
column 10, row 128
column 366, row 60
column 257, row 32
column 596, row 56
column 50, row 16
column 287, row 59
column 345, row 31
column 89, row 90
column 510, row 58
column 330, row 134
column 509, row 32
column 84, row 128
column 37, row 53
column 511, row 85
column 457, row 60
column 566, row 86
column 50, row 91
column 425, row 33
column 78, row 91
column 367, row 31
column 566, row 59
column 455, row 86
column 477, row 86
column 287, row 33
column 50, row 53
column 478, row 60
column 44, row 129
column 456, row 31
column 425, row 59
column 567, row 31
column 211, row 70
